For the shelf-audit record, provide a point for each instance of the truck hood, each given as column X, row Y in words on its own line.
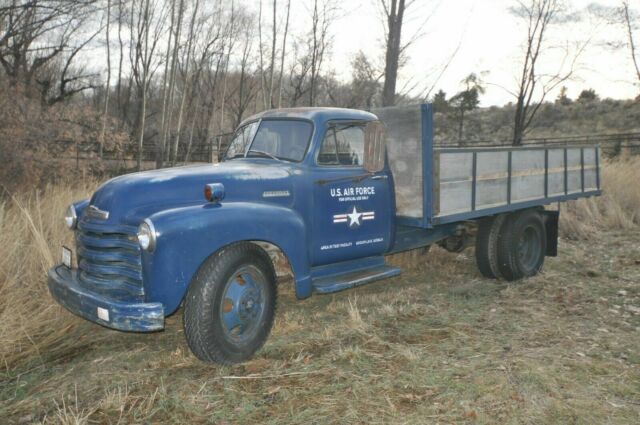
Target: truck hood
column 131, row 198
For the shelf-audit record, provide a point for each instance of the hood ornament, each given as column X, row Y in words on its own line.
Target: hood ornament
column 95, row 212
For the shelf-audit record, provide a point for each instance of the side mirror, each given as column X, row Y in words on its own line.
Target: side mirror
column 374, row 146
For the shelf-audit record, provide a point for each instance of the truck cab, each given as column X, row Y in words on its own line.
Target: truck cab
column 315, row 185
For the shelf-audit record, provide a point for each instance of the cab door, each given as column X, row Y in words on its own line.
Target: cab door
column 352, row 208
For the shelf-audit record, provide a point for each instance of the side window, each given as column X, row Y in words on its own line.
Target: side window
column 342, row 145
column 327, row 155
column 350, row 141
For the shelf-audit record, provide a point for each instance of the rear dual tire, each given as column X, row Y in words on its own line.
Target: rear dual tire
column 489, row 229
column 511, row 247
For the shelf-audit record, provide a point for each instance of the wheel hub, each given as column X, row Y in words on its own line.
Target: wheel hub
column 242, row 304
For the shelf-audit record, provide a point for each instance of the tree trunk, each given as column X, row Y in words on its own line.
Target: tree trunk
column 119, row 88
column 273, row 55
column 392, row 57
column 108, row 85
column 161, row 145
column 143, row 113
column 284, row 46
column 166, row 134
column 185, row 87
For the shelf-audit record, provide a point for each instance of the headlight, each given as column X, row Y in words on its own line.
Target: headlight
column 70, row 217
column 147, row 235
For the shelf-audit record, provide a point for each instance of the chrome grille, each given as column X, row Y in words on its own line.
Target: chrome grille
column 110, row 262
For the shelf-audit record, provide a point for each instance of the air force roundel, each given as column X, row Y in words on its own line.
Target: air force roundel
column 354, row 218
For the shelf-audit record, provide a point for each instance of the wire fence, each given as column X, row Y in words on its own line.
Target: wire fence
column 213, row 149
column 612, row 145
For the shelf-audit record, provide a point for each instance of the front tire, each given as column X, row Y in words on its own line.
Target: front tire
column 522, row 245
column 231, row 304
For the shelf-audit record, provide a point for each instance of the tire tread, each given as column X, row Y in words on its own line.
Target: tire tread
column 200, row 298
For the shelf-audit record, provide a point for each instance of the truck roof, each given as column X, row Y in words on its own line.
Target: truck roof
column 316, row 114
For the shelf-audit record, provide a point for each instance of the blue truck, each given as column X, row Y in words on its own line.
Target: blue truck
column 330, row 190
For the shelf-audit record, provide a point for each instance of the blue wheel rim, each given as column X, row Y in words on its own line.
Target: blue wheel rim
column 242, row 305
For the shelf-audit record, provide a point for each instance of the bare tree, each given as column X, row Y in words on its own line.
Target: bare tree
column 627, row 15
column 165, row 80
column 205, row 51
column 263, row 82
column 298, row 74
column 231, row 32
column 165, row 144
column 533, row 85
column 108, row 83
column 186, row 81
column 319, row 42
column 283, row 54
column 365, row 83
column 121, row 19
column 272, row 66
column 39, row 43
column 148, row 23
column 394, row 12
column 244, row 90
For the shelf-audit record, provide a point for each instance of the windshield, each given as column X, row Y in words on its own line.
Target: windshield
column 282, row 139
column 241, row 140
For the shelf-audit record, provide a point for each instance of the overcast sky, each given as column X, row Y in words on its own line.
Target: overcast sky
column 490, row 40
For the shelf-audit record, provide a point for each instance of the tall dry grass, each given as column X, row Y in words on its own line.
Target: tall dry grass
column 33, row 328
column 617, row 209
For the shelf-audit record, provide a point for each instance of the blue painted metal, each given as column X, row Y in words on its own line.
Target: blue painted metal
column 474, row 177
column 125, row 315
column 427, row 164
column 409, row 237
column 566, row 172
column 582, row 168
column 242, row 305
column 546, row 173
column 314, row 214
column 509, row 175
column 598, row 167
column 348, row 274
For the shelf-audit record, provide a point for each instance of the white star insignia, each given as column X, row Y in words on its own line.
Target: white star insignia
column 354, row 217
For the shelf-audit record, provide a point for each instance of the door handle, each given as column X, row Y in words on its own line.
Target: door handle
column 380, row 177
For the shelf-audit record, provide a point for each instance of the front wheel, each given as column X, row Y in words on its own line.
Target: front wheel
column 522, row 245
column 231, row 304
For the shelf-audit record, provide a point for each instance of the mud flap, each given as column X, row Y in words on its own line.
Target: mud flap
column 551, row 226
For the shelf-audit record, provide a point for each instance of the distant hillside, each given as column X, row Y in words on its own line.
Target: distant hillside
column 553, row 120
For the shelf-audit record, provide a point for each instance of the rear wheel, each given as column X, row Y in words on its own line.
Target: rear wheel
column 522, row 245
column 487, row 245
column 230, row 304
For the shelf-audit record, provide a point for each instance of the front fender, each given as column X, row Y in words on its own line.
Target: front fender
column 187, row 236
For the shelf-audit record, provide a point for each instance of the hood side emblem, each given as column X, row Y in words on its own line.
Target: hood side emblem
column 276, row 194
column 95, row 212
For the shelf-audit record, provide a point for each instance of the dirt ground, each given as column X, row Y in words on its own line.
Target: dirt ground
column 439, row 344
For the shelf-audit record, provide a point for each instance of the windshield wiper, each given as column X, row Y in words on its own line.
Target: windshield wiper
column 267, row 154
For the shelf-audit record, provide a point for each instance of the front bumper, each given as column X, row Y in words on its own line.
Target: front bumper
column 123, row 315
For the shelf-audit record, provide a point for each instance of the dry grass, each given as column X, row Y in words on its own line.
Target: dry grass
column 618, row 208
column 33, row 329
column 438, row 344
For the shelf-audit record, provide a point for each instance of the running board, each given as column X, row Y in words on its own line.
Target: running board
column 341, row 276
